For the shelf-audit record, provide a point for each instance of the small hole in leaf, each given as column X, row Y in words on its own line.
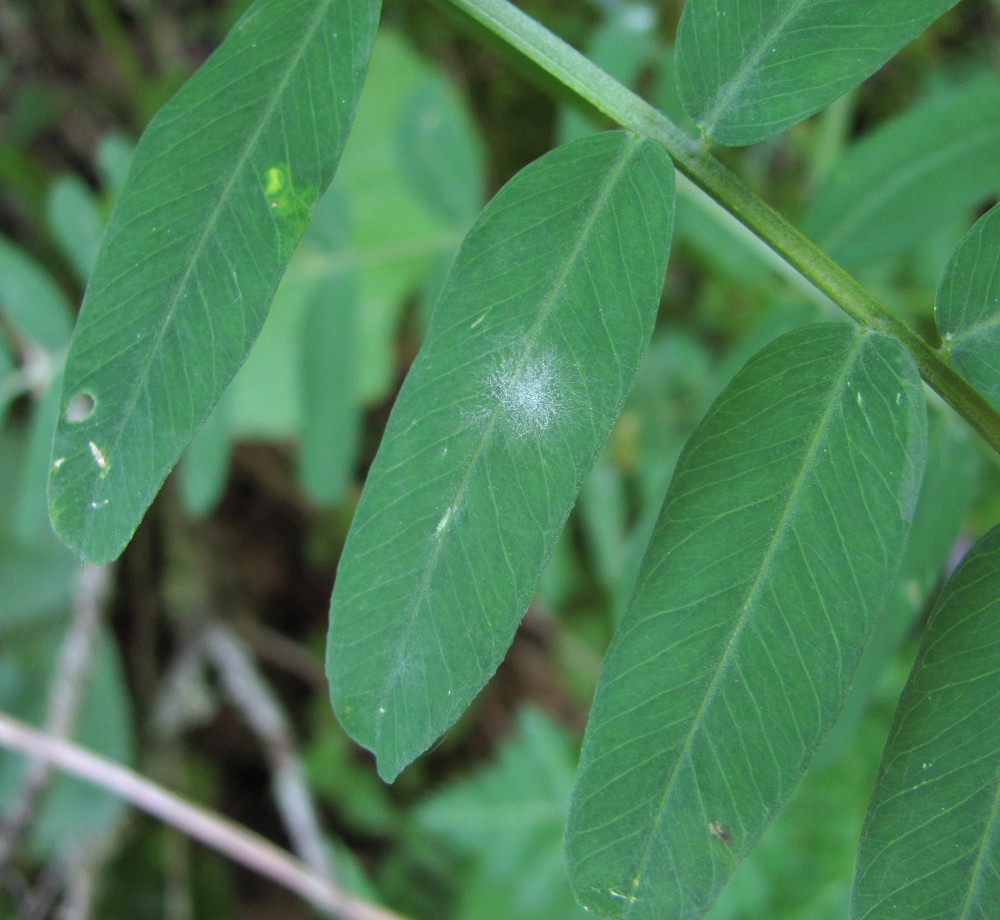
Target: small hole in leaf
column 80, row 407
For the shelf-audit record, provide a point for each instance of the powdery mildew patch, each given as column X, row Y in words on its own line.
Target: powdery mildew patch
column 528, row 393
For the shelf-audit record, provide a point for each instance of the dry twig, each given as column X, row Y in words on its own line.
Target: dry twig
column 213, row 830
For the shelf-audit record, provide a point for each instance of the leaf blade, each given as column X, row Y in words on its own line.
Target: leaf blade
column 748, row 70
column 932, row 836
column 899, row 184
column 718, row 686
column 219, row 192
column 31, row 301
column 562, row 271
column 967, row 311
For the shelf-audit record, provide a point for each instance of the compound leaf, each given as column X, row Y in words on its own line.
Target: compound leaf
column 777, row 543
column 968, row 305
column 930, row 849
column 747, row 69
column 530, row 353
column 219, row 191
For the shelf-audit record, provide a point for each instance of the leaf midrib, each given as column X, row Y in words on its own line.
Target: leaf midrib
column 736, row 83
column 809, row 459
column 547, row 305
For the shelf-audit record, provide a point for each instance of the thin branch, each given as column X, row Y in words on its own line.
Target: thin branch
column 250, row 693
column 38, row 903
column 213, row 830
column 81, row 871
column 66, row 690
column 272, row 647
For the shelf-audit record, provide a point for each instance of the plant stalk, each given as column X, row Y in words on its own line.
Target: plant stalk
column 691, row 157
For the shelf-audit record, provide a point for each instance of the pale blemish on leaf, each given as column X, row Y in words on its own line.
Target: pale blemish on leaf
column 98, row 456
column 445, row 518
column 80, row 407
column 288, row 205
column 719, row 832
column 528, row 393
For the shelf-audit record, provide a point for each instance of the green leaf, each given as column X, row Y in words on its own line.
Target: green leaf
column 219, row 192
column 75, row 221
column 747, row 69
column 439, row 151
column 331, row 411
column 917, row 172
column 931, row 843
column 508, row 820
column 781, row 531
column 803, row 867
column 950, row 480
column 968, row 306
column 33, row 304
column 530, row 354
column 30, row 519
column 204, row 468
column 394, row 236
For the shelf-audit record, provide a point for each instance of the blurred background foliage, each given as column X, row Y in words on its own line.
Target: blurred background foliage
column 245, row 536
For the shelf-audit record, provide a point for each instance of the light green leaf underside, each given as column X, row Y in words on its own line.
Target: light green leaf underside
column 968, row 306
column 747, row 69
column 778, row 540
column 531, row 351
column 31, row 301
column 328, row 370
column 438, row 151
column 918, row 172
column 74, row 217
column 219, row 191
column 930, row 849
column 369, row 226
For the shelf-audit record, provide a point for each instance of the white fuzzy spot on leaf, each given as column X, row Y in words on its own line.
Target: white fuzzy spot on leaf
column 530, row 391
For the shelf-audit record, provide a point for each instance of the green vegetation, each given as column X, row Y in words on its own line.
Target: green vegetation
column 594, row 412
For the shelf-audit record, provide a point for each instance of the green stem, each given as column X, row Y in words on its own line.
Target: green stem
column 691, row 157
